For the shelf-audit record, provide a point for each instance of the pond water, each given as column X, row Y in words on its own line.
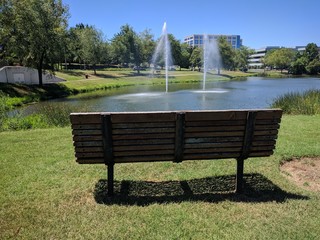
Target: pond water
column 252, row 92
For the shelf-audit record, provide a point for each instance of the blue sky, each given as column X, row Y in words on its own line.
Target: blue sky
column 260, row 23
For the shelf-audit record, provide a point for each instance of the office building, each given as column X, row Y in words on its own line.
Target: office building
column 196, row 40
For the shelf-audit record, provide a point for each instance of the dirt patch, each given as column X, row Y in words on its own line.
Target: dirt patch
column 305, row 172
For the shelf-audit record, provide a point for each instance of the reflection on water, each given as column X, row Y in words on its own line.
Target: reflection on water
column 254, row 92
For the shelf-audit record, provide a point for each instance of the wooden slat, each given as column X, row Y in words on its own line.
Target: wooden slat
column 267, row 132
column 214, row 145
column 143, row 125
column 263, row 143
column 210, row 156
column 212, row 150
column 268, row 121
column 88, row 144
column 269, row 114
column 87, row 138
column 262, row 148
column 142, row 130
column 213, row 139
column 90, row 155
column 139, row 137
column 88, row 149
column 85, row 118
column 261, row 154
column 143, row 153
column 86, row 126
column 143, row 117
column 87, row 132
column 216, row 115
column 212, row 123
column 142, row 142
column 267, row 127
column 90, row 160
column 144, row 159
column 214, row 129
column 213, row 134
column 264, row 138
column 143, row 147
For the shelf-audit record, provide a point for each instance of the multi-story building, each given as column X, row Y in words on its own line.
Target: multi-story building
column 196, row 40
column 255, row 60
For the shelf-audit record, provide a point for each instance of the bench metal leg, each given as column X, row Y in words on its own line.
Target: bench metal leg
column 239, row 178
column 110, row 179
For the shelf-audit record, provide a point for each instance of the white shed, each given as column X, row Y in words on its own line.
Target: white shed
column 24, row 75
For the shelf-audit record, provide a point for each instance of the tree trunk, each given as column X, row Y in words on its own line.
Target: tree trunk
column 40, row 74
column 40, row 64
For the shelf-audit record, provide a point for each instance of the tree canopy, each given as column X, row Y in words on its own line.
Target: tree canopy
column 33, row 31
column 280, row 58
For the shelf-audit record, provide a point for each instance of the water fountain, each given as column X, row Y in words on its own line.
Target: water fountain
column 211, row 57
column 162, row 55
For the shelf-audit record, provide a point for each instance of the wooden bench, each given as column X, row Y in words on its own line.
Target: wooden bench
column 127, row 137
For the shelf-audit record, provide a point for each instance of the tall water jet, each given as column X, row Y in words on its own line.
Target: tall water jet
column 162, row 55
column 211, row 56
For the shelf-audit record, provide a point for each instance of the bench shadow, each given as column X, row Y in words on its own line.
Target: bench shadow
column 257, row 188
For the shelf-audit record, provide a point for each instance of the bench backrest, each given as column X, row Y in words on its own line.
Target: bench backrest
column 173, row 136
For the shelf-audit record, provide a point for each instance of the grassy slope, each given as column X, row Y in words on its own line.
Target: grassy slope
column 44, row 194
column 76, row 82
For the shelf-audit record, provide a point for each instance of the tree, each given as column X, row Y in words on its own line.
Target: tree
column 126, row 47
column 226, row 53
column 313, row 67
column 175, row 50
column 280, row 58
column 312, row 55
column 186, row 52
column 196, row 58
column 147, row 46
column 93, row 48
column 34, row 31
column 298, row 66
column 312, row 52
column 241, row 57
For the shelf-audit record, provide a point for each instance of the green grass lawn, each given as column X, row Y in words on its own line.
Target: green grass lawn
column 110, row 79
column 44, row 194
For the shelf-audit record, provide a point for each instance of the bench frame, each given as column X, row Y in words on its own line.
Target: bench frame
column 107, row 136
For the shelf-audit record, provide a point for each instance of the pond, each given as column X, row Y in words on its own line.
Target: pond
column 252, row 92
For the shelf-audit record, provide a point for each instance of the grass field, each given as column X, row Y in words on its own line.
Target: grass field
column 44, row 194
column 76, row 82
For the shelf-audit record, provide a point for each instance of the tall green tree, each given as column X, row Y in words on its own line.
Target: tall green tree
column 280, row 58
column 93, row 48
column 226, row 53
column 196, row 58
column 186, row 52
column 298, row 65
column 147, row 46
column 175, row 50
column 313, row 56
column 312, row 52
column 126, row 47
column 34, row 31
column 241, row 57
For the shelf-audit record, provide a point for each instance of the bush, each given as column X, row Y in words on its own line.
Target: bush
column 57, row 114
column 307, row 103
column 3, row 108
column 48, row 115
